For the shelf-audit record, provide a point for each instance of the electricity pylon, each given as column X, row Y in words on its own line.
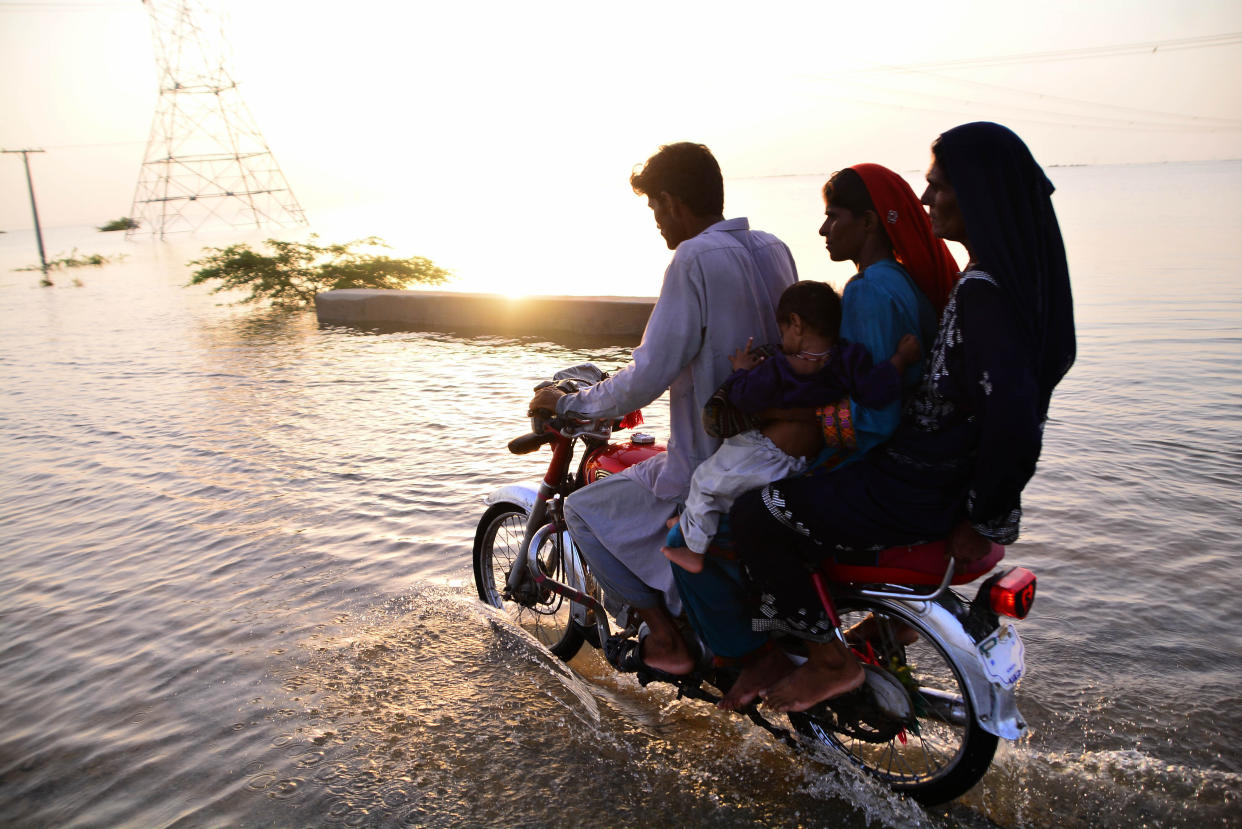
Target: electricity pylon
column 206, row 161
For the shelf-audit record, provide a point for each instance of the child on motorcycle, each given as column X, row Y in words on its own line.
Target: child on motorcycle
column 776, row 390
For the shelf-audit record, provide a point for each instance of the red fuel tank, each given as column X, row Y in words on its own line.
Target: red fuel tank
column 614, row 457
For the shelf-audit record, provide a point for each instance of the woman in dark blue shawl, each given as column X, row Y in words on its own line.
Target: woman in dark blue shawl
column 969, row 438
column 1014, row 236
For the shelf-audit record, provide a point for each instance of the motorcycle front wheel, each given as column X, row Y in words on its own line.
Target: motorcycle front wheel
column 542, row 613
column 939, row 751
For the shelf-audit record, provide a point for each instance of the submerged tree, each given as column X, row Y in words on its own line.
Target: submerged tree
column 295, row 271
column 123, row 223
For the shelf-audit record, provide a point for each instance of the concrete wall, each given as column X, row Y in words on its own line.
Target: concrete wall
column 621, row 317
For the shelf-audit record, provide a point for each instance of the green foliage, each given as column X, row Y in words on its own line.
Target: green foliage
column 73, row 260
column 295, row 271
column 123, row 223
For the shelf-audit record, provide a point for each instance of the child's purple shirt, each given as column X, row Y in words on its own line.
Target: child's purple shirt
column 848, row 371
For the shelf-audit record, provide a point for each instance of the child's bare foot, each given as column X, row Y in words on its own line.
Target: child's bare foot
column 766, row 670
column 685, row 558
column 873, row 630
column 831, row 671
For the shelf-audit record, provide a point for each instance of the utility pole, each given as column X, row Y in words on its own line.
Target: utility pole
column 34, row 209
column 206, row 161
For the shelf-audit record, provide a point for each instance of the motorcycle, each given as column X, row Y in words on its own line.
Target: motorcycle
column 941, row 669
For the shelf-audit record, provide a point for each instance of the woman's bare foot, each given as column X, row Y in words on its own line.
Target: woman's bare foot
column 685, row 558
column 767, row 669
column 870, row 630
column 831, row 671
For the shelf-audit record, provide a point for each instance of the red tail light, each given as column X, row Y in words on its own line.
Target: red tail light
column 1013, row 593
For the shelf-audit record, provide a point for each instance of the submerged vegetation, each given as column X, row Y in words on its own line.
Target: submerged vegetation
column 123, row 223
column 294, row 272
column 73, row 260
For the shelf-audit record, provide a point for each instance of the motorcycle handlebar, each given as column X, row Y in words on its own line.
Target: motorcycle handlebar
column 529, row 443
column 543, row 430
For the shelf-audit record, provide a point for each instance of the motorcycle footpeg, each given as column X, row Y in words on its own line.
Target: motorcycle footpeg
column 613, row 649
column 625, row 655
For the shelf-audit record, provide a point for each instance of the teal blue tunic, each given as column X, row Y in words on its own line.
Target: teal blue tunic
column 879, row 306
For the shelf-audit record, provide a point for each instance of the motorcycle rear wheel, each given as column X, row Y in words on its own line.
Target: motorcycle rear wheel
column 542, row 613
column 940, row 756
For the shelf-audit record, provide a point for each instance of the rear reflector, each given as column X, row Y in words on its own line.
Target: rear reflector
column 1013, row 593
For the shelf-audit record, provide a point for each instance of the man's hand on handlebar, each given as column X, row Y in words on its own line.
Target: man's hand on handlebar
column 543, row 404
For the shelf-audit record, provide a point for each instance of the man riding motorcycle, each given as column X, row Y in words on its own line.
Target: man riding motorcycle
column 720, row 288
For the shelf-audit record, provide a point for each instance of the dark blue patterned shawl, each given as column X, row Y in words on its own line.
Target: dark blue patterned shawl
column 1005, row 200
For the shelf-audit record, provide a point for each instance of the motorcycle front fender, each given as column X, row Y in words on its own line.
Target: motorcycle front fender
column 995, row 705
column 521, row 494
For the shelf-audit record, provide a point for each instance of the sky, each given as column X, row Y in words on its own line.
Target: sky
column 501, row 112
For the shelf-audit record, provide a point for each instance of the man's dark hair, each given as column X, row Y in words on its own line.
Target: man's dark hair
column 847, row 189
column 687, row 171
column 816, row 303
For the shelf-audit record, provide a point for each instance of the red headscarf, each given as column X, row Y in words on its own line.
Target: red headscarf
column 925, row 257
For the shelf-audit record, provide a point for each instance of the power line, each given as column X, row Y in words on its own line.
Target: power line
column 1086, row 53
column 1045, row 115
column 913, row 103
column 1147, row 120
column 96, row 146
column 26, row 5
column 1189, row 120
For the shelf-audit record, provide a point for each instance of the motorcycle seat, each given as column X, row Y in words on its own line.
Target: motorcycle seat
column 919, row 564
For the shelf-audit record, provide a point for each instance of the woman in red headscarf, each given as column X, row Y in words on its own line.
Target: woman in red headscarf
column 904, row 276
column 905, row 273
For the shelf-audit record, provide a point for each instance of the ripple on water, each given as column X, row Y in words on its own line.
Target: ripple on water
column 434, row 709
column 206, row 508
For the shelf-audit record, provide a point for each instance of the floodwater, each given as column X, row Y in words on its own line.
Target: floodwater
column 235, row 584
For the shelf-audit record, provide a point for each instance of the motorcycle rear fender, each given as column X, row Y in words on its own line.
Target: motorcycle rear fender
column 995, row 705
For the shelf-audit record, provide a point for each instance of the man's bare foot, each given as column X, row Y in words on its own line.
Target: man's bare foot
column 671, row 657
column 685, row 558
column 663, row 648
column 766, row 670
column 831, row 671
column 871, row 630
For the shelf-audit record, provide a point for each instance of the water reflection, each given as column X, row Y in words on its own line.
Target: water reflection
column 438, row 712
column 236, row 573
column 618, row 345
